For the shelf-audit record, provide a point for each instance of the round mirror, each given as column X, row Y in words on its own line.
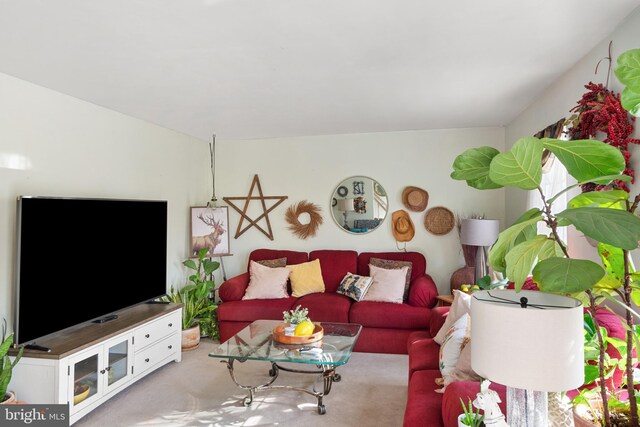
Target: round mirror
column 359, row 204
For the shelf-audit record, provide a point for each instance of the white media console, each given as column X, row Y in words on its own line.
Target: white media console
column 91, row 362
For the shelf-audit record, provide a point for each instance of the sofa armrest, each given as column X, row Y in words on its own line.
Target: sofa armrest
column 423, row 292
column 234, row 288
column 438, row 316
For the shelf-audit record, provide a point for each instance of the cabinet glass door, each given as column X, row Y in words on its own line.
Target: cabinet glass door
column 85, row 378
column 118, row 362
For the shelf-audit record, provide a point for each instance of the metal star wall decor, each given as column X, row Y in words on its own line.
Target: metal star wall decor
column 265, row 211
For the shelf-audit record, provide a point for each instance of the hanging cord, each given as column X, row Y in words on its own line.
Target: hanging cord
column 404, row 248
column 608, row 58
column 212, row 152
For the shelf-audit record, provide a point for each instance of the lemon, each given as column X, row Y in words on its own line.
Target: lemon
column 304, row 328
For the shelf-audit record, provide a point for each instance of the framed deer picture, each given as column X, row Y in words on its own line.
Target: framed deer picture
column 210, row 228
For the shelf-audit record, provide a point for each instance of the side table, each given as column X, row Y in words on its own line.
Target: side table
column 444, row 300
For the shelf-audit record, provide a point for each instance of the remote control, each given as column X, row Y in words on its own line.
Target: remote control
column 37, row 347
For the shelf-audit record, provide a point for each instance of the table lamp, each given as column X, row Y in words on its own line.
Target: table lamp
column 531, row 342
column 480, row 233
column 345, row 206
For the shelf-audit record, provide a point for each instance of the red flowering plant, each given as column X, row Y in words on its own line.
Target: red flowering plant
column 600, row 111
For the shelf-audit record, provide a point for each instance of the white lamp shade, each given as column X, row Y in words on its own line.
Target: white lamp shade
column 479, row 232
column 345, row 205
column 528, row 348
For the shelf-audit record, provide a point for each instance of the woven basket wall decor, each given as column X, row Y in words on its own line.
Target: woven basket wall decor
column 439, row 220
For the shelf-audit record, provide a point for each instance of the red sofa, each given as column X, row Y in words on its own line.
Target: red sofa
column 426, row 407
column 386, row 327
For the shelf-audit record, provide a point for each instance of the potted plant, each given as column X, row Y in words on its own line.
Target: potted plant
column 608, row 217
column 470, row 417
column 6, row 365
column 294, row 317
column 198, row 309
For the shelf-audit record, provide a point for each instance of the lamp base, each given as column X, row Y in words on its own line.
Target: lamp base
column 526, row 408
column 481, row 267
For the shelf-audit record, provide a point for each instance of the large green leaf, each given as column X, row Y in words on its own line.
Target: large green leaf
column 519, row 167
column 611, row 226
column 566, row 275
column 607, row 199
column 521, row 258
column 613, row 261
column 631, row 101
column 628, row 69
column 508, row 239
column 473, row 167
column 586, row 159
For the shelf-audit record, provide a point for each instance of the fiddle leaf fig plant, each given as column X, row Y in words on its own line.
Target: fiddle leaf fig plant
column 609, row 217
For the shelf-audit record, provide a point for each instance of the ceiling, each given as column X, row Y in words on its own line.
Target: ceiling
column 273, row 68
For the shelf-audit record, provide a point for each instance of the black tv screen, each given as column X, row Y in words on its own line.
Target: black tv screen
column 82, row 259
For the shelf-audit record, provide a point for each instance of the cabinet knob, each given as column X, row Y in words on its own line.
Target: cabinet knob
column 170, row 324
column 146, row 336
column 170, row 347
column 146, row 360
column 102, row 371
column 108, row 368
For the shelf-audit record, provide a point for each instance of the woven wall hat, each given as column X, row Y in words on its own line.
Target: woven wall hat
column 415, row 199
column 402, row 226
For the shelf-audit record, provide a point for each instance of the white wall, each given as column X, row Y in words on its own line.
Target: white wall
column 556, row 101
column 55, row 145
column 309, row 168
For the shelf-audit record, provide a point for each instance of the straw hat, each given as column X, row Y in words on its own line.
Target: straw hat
column 402, row 226
column 415, row 199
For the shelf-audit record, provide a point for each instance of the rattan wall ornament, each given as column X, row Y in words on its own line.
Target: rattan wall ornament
column 304, row 230
column 439, row 220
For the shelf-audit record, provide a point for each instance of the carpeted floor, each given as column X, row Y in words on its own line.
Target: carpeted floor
column 199, row 392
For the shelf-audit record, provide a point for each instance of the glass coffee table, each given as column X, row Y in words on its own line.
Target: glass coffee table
column 255, row 342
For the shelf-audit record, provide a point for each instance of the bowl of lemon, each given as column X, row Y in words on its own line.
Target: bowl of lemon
column 304, row 332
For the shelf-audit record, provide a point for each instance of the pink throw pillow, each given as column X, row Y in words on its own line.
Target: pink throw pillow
column 387, row 284
column 266, row 282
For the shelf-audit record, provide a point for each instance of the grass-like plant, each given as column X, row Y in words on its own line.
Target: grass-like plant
column 472, row 417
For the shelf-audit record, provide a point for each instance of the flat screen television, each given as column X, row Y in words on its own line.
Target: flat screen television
column 82, row 259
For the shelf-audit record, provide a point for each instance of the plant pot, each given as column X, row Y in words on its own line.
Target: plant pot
column 582, row 415
column 460, row 276
column 9, row 397
column 461, row 424
column 191, row 338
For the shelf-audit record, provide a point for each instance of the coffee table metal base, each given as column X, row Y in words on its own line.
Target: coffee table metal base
column 327, row 372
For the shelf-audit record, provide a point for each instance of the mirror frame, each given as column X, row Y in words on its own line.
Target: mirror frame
column 343, row 184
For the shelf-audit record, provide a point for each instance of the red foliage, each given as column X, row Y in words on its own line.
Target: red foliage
column 600, row 110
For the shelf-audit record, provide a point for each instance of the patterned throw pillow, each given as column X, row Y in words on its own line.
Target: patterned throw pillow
column 354, row 286
column 274, row 263
column 392, row 264
column 454, row 341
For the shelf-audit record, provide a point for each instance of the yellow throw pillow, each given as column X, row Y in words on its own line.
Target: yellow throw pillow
column 306, row 278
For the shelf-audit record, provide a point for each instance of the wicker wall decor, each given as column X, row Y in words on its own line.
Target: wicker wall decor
column 304, row 230
column 439, row 220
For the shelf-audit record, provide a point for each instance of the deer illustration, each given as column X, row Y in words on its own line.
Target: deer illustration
column 209, row 240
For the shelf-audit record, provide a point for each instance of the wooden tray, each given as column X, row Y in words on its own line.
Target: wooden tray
column 278, row 335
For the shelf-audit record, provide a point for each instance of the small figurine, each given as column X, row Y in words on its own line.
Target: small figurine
column 488, row 401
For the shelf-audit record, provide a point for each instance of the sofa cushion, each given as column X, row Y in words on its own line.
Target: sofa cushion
column 335, row 264
column 354, row 286
column 293, row 257
column 306, row 278
column 461, row 305
column 393, row 264
column 388, row 315
column 417, row 260
column 266, row 282
column 250, row 310
column 424, row 405
column 272, row 263
column 326, row 307
column 423, row 355
column 452, row 345
column 387, row 286
column 465, row 390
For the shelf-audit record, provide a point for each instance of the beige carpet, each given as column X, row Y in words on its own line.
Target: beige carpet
column 199, row 392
